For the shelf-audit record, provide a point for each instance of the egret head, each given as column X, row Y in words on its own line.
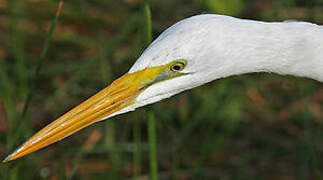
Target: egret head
column 194, row 41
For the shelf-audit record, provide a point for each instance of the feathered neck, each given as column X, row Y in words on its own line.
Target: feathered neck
column 287, row 48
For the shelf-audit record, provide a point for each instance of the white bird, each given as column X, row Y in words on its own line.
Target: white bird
column 190, row 53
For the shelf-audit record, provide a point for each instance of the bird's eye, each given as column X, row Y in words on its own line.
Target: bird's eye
column 178, row 66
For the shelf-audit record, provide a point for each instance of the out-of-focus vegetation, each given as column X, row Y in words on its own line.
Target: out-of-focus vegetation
column 258, row 126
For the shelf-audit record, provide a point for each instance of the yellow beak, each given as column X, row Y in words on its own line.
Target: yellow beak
column 120, row 94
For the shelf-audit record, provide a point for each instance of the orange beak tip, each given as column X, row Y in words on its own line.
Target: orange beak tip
column 7, row 159
column 12, row 156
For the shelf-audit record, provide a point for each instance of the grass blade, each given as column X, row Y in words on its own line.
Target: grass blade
column 152, row 147
column 41, row 59
column 151, row 120
column 148, row 31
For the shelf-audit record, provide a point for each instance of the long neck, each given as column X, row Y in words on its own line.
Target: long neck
column 293, row 48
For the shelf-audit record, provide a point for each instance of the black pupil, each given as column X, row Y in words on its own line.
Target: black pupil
column 176, row 67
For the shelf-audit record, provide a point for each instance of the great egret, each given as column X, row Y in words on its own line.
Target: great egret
column 190, row 53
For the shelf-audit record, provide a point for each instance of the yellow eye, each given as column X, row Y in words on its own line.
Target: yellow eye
column 178, row 66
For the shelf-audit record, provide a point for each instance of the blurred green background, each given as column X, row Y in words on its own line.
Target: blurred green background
column 255, row 126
